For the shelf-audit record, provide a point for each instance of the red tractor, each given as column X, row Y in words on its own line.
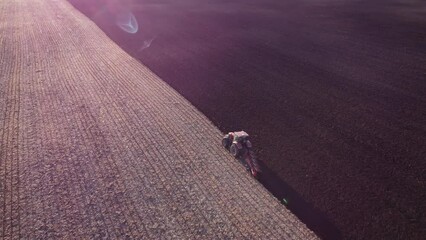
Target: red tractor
column 240, row 147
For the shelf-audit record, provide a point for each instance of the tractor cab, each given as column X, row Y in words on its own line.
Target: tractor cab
column 241, row 137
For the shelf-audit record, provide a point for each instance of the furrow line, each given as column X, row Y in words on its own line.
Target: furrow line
column 12, row 129
column 79, row 159
column 82, row 164
column 50, row 184
column 129, row 205
column 37, row 167
column 76, row 180
column 63, row 146
column 28, row 144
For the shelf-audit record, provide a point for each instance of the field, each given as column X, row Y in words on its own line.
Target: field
column 93, row 145
column 333, row 93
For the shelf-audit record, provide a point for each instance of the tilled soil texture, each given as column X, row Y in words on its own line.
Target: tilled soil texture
column 94, row 145
column 333, row 93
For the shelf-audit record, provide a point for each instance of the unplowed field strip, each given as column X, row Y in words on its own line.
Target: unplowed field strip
column 94, row 145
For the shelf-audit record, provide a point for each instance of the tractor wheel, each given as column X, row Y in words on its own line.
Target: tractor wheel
column 226, row 142
column 234, row 150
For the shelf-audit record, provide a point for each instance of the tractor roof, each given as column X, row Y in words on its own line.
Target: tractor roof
column 241, row 134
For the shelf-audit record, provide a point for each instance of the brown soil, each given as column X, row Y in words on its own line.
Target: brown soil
column 333, row 93
column 93, row 145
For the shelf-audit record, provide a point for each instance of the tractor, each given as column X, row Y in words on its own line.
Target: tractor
column 239, row 145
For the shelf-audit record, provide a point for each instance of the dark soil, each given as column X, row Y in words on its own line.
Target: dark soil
column 332, row 92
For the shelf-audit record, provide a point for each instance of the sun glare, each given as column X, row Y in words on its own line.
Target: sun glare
column 127, row 22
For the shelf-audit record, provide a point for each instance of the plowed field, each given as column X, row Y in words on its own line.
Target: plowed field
column 94, row 145
column 333, row 93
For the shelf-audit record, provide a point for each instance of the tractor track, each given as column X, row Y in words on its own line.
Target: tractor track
column 94, row 145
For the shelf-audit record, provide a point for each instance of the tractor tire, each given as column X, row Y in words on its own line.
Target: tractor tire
column 234, row 150
column 226, row 142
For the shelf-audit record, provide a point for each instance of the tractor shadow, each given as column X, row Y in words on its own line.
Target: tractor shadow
column 313, row 218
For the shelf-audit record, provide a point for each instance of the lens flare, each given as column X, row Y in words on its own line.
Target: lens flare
column 146, row 44
column 127, row 22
